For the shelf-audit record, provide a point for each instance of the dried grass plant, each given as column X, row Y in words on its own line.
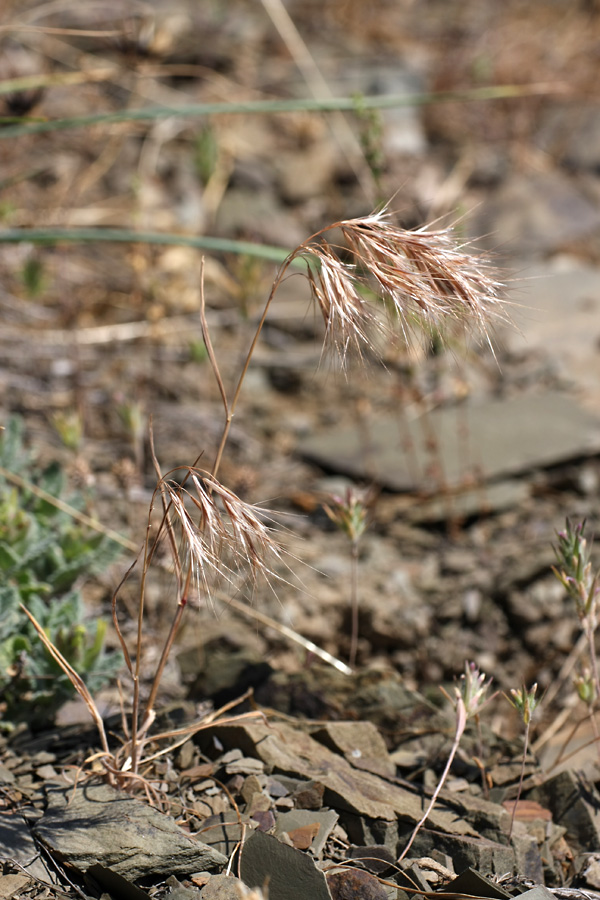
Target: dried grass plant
column 380, row 279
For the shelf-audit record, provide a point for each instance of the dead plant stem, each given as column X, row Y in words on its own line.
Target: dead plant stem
column 461, row 721
column 230, row 408
column 149, row 708
column 208, row 343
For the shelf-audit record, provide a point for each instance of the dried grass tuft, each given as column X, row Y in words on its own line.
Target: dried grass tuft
column 228, row 537
column 426, row 280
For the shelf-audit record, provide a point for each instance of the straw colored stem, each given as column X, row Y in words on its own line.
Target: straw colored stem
column 230, row 411
column 461, row 720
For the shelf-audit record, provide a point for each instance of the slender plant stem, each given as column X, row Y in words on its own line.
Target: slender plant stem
column 73, row 676
column 590, row 633
column 232, row 406
column 522, row 776
column 149, row 708
column 354, row 602
column 295, row 256
column 208, row 343
column 461, row 721
column 131, row 236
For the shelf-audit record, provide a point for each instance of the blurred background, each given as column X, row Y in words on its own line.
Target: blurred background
column 490, row 121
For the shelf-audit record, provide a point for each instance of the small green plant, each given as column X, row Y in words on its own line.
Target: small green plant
column 34, row 277
column 525, row 702
column 69, row 427
column 44, row 554
column 574, row 571
column 350, row 514
column 206, row 153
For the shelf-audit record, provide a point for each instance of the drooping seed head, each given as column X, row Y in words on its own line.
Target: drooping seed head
column 426, row 280
column 225, row 537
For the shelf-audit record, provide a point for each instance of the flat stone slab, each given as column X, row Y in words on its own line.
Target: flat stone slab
column 95, row 826
column 361, row 744
column 575, row 804
column 306, row 828
column 557, row 313
column 17, row 843
column 505, row 437
column 288, row 873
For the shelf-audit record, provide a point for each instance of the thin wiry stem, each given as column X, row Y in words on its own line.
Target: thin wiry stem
column 208, row 343
column 236, row 395
column 521, row 779
column 461, row 721
column 468, row 701
column 353, row 603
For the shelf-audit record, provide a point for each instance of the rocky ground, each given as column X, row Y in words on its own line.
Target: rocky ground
column 476, row 457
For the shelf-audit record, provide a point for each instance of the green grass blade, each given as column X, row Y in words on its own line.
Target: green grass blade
column 125, row 235
column 269, row 107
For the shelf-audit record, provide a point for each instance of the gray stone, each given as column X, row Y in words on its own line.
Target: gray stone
column 324, row 820
column 591, row 871
column 11, row 885
column 557, row 312
column 574, row 803
column 360, row 742
column 224, row 831
column 179, row 892
column 570, row 132
column 506, row 437
column 95, row 825
column 472, row 882
column 374, row 857
column 486, row 857
column 539, row 892
column 17, row 843
column 470, row 501
column 491, row 820
column 223, row 887
column 534, row 214
column 529, row 862
column 289, row 873
column 363, row 830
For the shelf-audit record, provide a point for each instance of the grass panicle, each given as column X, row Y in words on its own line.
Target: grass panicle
column 423, row 279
